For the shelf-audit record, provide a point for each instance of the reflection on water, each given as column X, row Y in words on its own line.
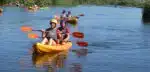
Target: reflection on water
column 49, row 62
column 81, row 52
column 52, row 62
column 76, row 67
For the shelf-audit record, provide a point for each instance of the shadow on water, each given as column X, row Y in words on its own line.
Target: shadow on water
column 81, row 52
column 75, row 67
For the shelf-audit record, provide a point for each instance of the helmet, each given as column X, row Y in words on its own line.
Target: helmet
column 54, row 21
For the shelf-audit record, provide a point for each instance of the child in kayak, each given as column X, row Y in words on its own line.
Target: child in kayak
column 50, row 35
column 63, row 32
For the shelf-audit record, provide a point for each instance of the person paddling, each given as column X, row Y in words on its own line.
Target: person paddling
column 50, row 35
column 63, row 33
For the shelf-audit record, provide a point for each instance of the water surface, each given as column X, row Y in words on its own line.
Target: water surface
column 118, row 40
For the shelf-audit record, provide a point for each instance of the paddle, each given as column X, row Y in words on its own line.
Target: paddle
column 81, row 15
column 33, row 35
column 78, row 16
column 29, row 29
column 26, row 29
column 78, row 34
column 79, row 43
column 82, row 43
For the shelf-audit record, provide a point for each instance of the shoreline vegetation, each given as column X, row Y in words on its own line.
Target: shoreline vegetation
column 46, row 3
column 41, row 4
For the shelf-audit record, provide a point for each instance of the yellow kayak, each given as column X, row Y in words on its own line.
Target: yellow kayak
column 40, row 48
column 40, row 60
column 72, row 20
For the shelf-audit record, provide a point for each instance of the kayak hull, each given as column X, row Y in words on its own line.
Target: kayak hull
column 40, row 48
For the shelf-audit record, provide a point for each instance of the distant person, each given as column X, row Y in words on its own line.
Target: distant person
column 17, row 3
column 63, row 14
column 69, row 14
column 35, row 7
column 1, row 11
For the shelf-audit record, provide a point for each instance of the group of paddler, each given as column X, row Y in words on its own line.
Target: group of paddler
column 54, row 35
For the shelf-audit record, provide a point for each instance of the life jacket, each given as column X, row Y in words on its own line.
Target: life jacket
column 50, row 32
column 64, row 31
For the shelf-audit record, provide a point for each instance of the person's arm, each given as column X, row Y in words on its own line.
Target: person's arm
column 68, row 34
column 67, row 38
column 59, row 35
column 43, row 33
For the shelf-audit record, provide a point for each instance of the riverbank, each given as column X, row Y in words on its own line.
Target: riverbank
column 120, row 44
column 45, row 3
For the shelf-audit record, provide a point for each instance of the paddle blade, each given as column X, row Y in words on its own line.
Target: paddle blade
column 32, row 35
column 78, row 34
column 26, row 29
column 81, row 15
column 82, row 43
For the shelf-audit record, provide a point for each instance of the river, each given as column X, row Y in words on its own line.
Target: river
column 118, row 40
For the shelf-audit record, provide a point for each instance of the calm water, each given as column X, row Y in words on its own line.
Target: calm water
column 118, row 41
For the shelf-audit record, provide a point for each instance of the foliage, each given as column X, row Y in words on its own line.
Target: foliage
column 42, row 3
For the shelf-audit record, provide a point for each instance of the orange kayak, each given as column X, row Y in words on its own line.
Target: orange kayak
column 40, row 48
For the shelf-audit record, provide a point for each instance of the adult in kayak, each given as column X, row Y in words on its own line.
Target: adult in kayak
column 49, row 35
column 63, row 32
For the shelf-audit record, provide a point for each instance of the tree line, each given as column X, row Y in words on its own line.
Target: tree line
column 135, row 3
